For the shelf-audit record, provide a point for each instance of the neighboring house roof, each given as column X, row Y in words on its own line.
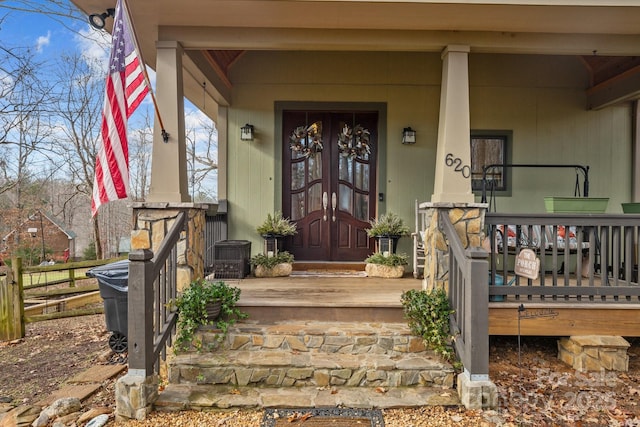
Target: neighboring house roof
column 70, row 234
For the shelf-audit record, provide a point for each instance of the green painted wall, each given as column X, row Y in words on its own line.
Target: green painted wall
column 540, row 98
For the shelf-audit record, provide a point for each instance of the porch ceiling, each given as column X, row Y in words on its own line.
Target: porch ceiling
column 222, row 29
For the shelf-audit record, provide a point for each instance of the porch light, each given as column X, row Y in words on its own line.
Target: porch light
column 408, row 136
column 97, row 20
column 246, row 132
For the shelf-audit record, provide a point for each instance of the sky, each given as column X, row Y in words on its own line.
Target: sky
column 49, row 35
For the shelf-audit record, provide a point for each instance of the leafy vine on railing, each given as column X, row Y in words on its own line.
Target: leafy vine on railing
column 428, row 314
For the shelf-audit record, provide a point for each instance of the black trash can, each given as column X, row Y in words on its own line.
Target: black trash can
column 113, row 282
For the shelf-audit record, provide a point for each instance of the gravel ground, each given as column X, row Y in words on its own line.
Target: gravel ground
column 420, row 417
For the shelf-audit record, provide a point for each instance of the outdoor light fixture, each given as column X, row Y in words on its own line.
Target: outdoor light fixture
column 246, row 132
column 408, row 136
column 97, row 20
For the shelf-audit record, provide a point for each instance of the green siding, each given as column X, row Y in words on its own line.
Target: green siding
column 540, row 98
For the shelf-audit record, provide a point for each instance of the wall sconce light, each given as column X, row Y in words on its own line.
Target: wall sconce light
column 246, row 132
column 97, row 20
column 408, row 136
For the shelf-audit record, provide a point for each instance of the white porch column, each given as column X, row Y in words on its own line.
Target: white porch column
column 169, row 160
column 453, row 156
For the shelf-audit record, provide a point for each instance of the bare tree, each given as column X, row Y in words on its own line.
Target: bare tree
column 64, row 12
column 140, row 142
column 79, row 106
column 25, row 134
column 202, row 159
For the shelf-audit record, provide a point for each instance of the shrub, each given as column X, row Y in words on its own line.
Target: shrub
column 270, row 262
column 388, row 224
column 391, row 260
column 276, row 225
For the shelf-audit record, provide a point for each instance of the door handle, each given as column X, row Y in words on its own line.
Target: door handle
column 334, row 202
column 325, row 201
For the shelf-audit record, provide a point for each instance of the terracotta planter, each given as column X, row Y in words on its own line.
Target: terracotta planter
column 280, row 270
column 379, row 270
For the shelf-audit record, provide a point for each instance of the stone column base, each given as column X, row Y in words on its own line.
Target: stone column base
column 135, row 395
column 594, row 353
column 477, row 394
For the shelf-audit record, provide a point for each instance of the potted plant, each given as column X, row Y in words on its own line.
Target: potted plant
column 204, row 303
column 387, row 228
column 278, row 265
column 385, row 265
column 274, row 228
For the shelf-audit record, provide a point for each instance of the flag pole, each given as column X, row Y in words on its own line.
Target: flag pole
column 165, row 134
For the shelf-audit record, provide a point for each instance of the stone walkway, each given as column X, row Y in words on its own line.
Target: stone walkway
column 77, row 389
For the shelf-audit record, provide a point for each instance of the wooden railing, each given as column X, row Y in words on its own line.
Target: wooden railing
column 468, row 295
column 69, row 272
column 152, row 287
column 595, row 262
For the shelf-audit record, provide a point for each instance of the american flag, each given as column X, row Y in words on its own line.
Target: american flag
column 126, row 87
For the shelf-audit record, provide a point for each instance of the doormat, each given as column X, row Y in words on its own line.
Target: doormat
column 328, row 273
column 322, row 417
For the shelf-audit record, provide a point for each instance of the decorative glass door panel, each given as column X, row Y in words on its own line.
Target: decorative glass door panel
column 328, row 179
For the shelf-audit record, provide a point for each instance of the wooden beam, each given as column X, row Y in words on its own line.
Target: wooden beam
column 565, row 320
column 623, row 87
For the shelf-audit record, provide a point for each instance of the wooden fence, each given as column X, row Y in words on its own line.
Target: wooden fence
column 22, row 299
column 11, row 304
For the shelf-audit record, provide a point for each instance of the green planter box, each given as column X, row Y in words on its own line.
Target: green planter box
column 631, row 208
column 576, row 204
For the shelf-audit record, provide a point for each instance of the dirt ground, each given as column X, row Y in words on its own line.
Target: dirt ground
column 534, row 387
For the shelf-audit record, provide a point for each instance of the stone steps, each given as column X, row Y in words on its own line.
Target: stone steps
column 261, row 365
column 178, row 397
column 290, row 369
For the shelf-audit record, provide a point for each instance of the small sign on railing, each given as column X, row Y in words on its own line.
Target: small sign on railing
column 527, row 264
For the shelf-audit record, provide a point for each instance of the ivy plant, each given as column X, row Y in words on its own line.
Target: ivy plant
column 192, row 311
column 428, row 317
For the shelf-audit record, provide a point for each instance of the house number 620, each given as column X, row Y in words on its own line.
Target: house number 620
column 456, row 163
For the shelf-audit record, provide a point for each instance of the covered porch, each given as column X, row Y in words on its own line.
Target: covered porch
column 543, row 73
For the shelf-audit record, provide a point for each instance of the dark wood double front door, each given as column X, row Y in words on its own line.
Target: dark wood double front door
column 329, row 182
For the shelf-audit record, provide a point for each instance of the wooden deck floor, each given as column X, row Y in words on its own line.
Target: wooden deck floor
column 331, row 298
column 366, row 299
